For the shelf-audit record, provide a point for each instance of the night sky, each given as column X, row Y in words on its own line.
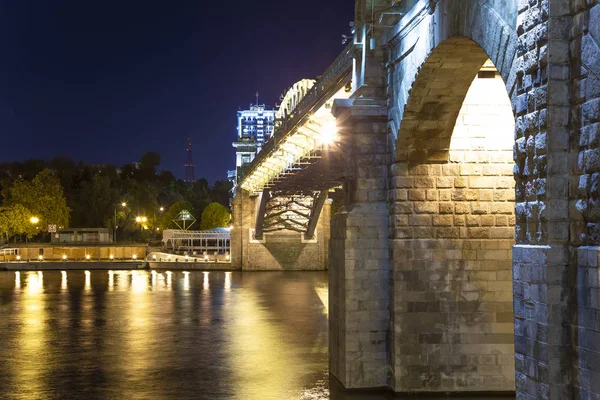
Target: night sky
column 105, row 81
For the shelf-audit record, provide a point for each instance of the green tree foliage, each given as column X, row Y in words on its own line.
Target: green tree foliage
column 43, row 197
column 100, row 201
column 15, row 220
column 93, row 192
column 215, row 216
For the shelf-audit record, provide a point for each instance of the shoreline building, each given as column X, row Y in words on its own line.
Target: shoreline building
column 255, row 126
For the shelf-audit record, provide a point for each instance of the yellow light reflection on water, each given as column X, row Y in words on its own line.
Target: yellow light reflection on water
column 63, row 280
column 17, row 280
column 206, row 283
column 88, row 284
column 186, row 280
column 35, row 282
column 227, row 281
column 323, row 293
column 169, row 279
column 29, row 357
column 139, row 281
column 256, row 340
column 111, row 281
column 154, row 277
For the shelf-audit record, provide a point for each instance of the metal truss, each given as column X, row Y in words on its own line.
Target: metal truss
column 298, row 213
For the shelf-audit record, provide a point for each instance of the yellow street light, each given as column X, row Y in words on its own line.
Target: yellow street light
column 144, row 219
column 162, row 209
column 34, row 220
column 138, row 219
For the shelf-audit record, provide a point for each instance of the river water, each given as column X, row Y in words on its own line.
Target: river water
column 179, row 335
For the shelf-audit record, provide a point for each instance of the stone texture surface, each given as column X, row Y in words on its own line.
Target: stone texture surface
column 584, row 194
column 283, row 250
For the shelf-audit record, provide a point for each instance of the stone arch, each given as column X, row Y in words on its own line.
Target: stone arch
column 435, row 100
column 452, row 223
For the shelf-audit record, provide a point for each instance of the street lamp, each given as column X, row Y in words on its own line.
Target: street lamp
column 123, row 204
column 161, row 209
column 141, row 221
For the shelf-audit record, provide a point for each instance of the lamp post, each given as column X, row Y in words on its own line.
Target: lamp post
column 123, row 204
column 154, row 229
column 141, row 221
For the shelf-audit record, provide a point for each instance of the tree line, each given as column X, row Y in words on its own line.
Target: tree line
column 138, row 199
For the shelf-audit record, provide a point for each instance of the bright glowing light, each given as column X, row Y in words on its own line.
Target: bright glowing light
column 87, row 256
column 154, row 256
column 18, row 257
column 18, row 280
column 206, row 257
column 138, row 219
column 123, row 204
column 111, row 257
column 162, row 209
column 111, row 280
column 40, row 257
column 64, row 257
column 144, row 219
column 158, row 229
column 169, row 279
column 34, row 220
column 227, row 256
column 63, row 280
column 329, row 133
column 186, row 257
column 134, row 256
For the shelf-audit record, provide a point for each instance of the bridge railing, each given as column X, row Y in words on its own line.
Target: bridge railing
column 336, row 74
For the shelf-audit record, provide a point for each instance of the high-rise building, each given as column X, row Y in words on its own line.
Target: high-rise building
column 255, row 127
column 189, row 164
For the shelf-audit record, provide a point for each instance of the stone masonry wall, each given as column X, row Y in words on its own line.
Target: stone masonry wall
column 284, row 250
column 454, row 224
column 585, row 195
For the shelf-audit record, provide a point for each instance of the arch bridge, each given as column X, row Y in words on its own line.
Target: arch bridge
column 462, row 136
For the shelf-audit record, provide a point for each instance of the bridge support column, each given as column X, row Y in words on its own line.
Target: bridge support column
column 359, row 252
column 281, row 250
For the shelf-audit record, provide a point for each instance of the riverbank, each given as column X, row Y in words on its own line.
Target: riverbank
column 70, row 265
column 192, row 266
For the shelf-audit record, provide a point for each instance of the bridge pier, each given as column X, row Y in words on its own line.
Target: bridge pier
column 280, row 250
column 359, row 251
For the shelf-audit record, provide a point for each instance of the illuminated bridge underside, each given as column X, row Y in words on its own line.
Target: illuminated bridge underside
column 303, row 155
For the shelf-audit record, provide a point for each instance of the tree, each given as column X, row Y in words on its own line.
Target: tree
column 16, row 220
column 43, row 197
column 94, row 205
column 215, row 216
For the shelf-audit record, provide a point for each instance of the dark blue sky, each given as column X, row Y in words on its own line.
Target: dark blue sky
column 105, row 81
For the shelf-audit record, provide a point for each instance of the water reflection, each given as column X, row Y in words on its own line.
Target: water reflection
column 165, row 335
column 63, row 280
